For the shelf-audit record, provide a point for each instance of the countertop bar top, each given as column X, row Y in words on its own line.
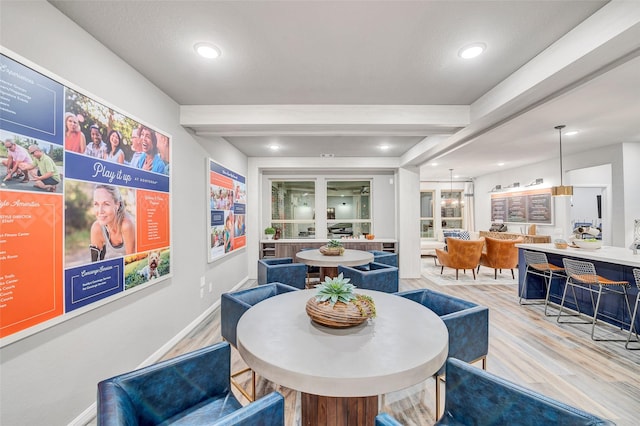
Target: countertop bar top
column 325, row 240
column 615, row 255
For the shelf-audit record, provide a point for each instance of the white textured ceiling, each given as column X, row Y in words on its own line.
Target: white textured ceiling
column 385, row 53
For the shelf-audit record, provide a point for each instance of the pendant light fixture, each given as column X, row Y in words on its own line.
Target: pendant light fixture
column 450, row 199
column 561, row 190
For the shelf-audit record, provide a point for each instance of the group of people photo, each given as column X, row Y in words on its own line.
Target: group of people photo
column 87, row 122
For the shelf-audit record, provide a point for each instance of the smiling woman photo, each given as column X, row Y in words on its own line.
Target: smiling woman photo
column 114, row 153
column 113, row 233
column 150, row 158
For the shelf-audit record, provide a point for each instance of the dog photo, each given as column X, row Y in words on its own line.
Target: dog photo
column 151, row 269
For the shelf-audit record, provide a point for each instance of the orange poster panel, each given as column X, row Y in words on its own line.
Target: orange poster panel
column 152, row 217
column 220, row 180
column 31, row 289
column 239, row 242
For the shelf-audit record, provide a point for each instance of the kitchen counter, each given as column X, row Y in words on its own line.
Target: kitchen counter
column 615, row 263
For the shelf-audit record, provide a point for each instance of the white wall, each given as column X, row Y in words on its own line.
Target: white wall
column 49, row 378
column 631, row 176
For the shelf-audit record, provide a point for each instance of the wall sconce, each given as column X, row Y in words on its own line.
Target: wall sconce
column 561, row 190
column 497, row 188
column 537, row 181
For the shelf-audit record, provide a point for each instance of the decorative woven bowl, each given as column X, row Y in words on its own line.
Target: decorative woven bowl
column 332, row 251
column 340, row 315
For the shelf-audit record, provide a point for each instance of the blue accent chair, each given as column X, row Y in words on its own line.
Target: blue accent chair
column 467, row 323
column 232, row 306
column 192, row 389
column 384, row 419
column 385, row 257
column 282, row 270
column 374, row 276
column 475, row 397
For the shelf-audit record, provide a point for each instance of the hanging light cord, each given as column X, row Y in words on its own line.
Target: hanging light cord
column 451, row 182
column 560, row 127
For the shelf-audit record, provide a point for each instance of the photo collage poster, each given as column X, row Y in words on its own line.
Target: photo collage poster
column 84, row 200
column 227, row 210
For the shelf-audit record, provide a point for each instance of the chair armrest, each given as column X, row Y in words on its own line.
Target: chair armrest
column 474, row 396
column 233, row 308
column 185, row 380
column 468, row 333
column 467, row 322
column 384, row 419
column 379, row 277
column 114, row 407
column 292, row 274
column 266, row 411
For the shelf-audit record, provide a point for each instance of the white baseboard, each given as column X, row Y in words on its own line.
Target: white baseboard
column 89, row 414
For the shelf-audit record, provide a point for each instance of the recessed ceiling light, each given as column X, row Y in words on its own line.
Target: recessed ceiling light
column 434, row 164
column 472, row 50
column 274, row 147
column 500, row 164
column 207, row 50
column 384, row 147
column 571, row 133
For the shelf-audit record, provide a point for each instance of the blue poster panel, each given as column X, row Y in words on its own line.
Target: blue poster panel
column 86, row 189
column 227, row 210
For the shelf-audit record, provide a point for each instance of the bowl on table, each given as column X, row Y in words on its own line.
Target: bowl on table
column 588, row 244
column 561, row 244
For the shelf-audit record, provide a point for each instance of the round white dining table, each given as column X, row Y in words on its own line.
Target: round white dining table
column 329, row 264
column 404, row 345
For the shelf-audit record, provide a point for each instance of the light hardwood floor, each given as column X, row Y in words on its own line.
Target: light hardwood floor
column 558, row 360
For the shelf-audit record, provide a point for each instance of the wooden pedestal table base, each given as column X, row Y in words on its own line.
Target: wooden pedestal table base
column 320, row 410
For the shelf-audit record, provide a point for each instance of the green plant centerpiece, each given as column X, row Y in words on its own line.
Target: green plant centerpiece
column 336, row 305
column 333, row 248
column 269, row 232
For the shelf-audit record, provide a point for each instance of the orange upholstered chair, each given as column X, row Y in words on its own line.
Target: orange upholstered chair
column 500, row 254
column 461, row 254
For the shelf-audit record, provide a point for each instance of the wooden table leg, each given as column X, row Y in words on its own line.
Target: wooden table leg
column 331, row 411
column 328, row 271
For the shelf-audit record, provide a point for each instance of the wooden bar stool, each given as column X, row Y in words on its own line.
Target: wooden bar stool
column 537, row 264
column 583, row 275
column 636, row 275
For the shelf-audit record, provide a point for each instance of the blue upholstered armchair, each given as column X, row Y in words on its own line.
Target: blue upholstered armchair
column 475, row 397
column 467, row 323
column 232, row 306
column 282, row 270
column 384, row 419
column 385, row 257
column 189, row 389
column 374, row 276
